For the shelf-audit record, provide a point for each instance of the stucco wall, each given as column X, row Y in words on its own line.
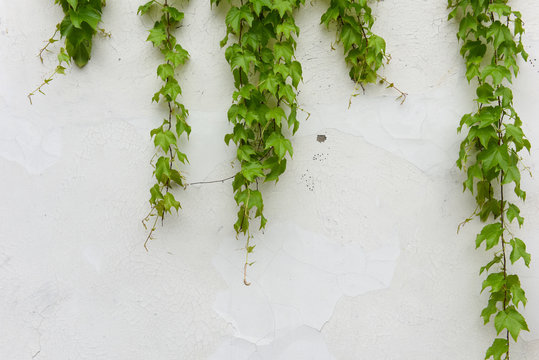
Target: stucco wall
column 360, row 259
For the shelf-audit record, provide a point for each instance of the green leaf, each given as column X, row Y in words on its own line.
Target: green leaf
column 236, row 15
column 496, row 260
column 350, row 35
column 276, row 114
column 511, row 320
column 170, row 202
column 178, row 56
column 498, row 348
column 143, row 9
column 73, row 3
column 491, row 234
column 282, row 6
column 296, row 73
column 155, row 193
column 497, row 72
column 90, row 16
column 162, row 170
column 174, row 13
column 283, row 51
column 519, row 251
column 514, row 212
column 165, row 139
column 499, row 33
column 495, row 280
column 243, row 60
column 165, row 71
column 252, row 170
column 158, row 34
column 279, row 144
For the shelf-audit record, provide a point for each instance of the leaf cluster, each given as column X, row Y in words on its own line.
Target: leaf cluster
column 364, row 51
column 166, row 137
column 264, row 109
column 79, row 26
column 491, row 36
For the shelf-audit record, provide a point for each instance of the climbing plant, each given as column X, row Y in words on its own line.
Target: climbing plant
column 264, row 107
column 364, row 51
column 78, row 27
column 166, row 137
column 491, row 36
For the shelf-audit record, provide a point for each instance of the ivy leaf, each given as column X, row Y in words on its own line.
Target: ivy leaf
column 498, row 348
column 178, row 56
column 491, row 234
column 488, row 311
column 251, row 171
column 165, row 71
column 282, row 6
column 499, row 33
column 276, row 113
column 245, row 152
column 155, row 193
column 283, row 51
column 497, row 259
column 329, row 16
column 164, row 140
column 511, row 320
column 143, row 9
column 296, row 73
column 350, row 36
column 279, row 144
column 497, row 72
column 170, row 202
column 236, row 15
column 158, row 34
column 73, row 3
column 90, row 16
column 162, row 170
column 287, row 28
column 519, row 251
column 243, row 60
column 514, row 212
column 174, row 13
column 259, row 4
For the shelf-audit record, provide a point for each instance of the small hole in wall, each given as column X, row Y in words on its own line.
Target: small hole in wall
column 321, row 138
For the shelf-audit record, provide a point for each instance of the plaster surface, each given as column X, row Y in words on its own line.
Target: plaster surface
column 360, row 258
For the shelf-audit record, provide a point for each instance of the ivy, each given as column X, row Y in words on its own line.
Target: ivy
column 166, row 137
column 264, row 108
column 491, row 36
column 364, row 51
column 80, row 24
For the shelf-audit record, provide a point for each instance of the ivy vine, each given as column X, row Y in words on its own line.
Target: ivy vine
column 167, row 136
column 264, row 109
column 78, row 27
column 491, row 33
column 364, row 51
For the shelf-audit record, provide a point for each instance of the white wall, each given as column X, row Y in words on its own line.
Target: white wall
column 360, row 259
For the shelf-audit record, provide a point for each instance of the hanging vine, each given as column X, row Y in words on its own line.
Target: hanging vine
column 78, row 28
column 167, row 136
column 364, row 51
column 264, row 108
column 491, row 33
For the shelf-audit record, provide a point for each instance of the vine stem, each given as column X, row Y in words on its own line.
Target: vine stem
column 45, row 82
column 50, row 41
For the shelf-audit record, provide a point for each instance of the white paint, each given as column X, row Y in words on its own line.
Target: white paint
column 359, row 260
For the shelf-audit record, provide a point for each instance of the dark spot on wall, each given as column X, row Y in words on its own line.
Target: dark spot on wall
column 321, row 138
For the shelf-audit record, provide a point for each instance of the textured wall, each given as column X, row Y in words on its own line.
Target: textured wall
column 360, row 259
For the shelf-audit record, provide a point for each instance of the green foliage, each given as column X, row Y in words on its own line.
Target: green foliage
column 78, row 28
column 166, row 137
column 364, row 51
column 491, row 32
column 263, row 112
